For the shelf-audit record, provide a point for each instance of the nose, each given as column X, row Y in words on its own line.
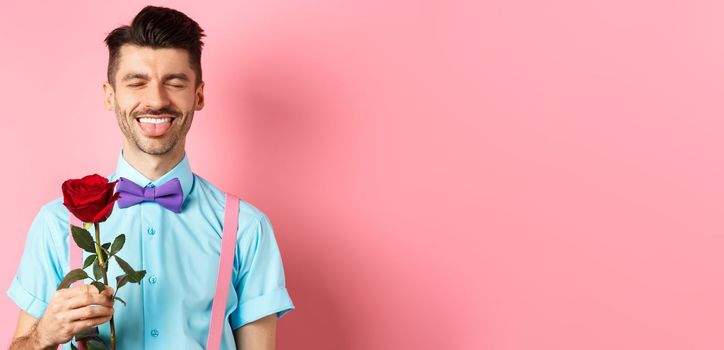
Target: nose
column 156, row 96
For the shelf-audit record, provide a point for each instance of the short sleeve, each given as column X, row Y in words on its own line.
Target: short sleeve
column 259, row 283
column 40, row 270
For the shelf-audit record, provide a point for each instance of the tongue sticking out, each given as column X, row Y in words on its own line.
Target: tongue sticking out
column 152, row 129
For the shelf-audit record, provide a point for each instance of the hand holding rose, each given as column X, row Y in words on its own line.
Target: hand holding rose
column 72, row 310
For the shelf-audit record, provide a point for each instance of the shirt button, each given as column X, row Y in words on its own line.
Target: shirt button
column 151, row 231
column 154, row 332
column 152, row 280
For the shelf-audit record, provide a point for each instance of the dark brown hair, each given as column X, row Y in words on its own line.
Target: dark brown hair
column 157, row 27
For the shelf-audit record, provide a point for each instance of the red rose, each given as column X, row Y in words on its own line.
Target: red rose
column 91, row 198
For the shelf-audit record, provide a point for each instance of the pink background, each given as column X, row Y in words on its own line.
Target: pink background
column 440, row 174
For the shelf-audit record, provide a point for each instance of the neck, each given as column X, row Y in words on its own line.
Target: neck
column 150, row 165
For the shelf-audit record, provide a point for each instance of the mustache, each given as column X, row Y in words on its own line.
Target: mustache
column 162, row 111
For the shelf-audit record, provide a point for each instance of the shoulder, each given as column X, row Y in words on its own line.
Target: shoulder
column 54, row 210
column 249, row 215
column 48, row 233
column 55, row 217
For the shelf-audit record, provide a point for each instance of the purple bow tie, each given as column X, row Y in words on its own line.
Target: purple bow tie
column 169, row 195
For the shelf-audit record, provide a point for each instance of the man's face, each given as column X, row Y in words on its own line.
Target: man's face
column 154, row 98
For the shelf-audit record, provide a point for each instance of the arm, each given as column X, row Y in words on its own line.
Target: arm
column 70, row 311
column 26, row 336
column 257, row 335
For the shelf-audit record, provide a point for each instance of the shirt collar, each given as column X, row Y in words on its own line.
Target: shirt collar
column 182, row 171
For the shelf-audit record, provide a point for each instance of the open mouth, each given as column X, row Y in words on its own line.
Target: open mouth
column 154, row 126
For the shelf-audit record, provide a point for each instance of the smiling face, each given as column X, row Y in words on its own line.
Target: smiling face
column 154, row 98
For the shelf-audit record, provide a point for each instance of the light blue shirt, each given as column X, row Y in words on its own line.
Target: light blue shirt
column 171, row 307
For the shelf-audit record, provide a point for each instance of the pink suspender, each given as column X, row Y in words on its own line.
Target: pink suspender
column 226, row 264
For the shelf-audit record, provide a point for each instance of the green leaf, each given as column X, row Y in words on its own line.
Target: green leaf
column 141, row 275
column 83, row 238
column 133, row 276
column 118, row 243
column 89, row 260
column 99, row 285
column 105, row 246
column 96, row 344
column 71, row 277
column 121, row 300
column 121, row 281
column 73, row 347
column 97, row 271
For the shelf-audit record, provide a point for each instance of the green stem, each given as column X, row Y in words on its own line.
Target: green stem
column 104, row 267
column 99, row 251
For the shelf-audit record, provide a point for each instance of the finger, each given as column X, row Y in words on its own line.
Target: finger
column 90, row 322
column 89, row 312
column 87, row 300
column 80, row 290
column 89, row 296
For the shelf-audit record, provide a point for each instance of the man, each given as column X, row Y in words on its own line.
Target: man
column 154, row 86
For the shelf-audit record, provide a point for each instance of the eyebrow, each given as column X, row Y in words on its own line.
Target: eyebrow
column 180, row 76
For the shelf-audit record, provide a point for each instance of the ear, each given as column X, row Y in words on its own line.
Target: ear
column 200, row 96
column 109, row 100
